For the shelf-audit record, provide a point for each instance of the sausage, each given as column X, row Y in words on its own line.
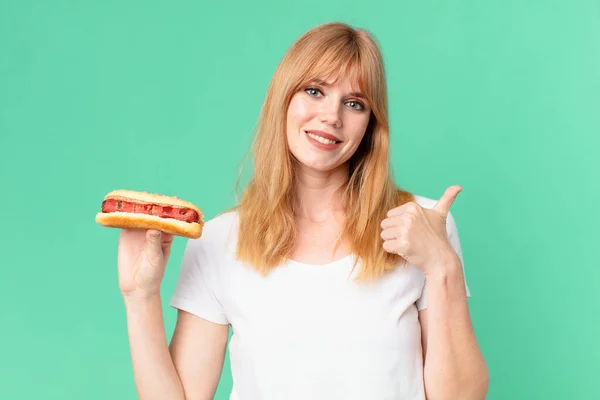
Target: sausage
column 178, row 213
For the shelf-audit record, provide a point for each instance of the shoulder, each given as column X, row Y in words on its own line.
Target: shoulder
column 423, row 201
column 218, row 233
column 220, row 225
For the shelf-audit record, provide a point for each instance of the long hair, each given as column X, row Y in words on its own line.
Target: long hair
column 267, row 226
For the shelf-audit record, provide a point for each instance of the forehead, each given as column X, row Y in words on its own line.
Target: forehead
column 344, row 71
column 342, row 81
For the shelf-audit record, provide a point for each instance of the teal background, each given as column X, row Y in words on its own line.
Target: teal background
column 501, row 97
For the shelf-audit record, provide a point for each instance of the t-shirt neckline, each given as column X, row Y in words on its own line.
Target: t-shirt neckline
column 335, row 262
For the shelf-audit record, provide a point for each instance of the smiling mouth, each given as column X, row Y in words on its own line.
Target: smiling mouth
column 322, row 139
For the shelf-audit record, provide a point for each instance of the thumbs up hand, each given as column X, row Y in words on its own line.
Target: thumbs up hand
column 419, row 234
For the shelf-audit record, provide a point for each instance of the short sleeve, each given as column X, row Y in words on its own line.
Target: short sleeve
column 196, row 290
column 454, row 239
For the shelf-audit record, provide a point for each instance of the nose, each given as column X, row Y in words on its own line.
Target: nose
column 331, row 114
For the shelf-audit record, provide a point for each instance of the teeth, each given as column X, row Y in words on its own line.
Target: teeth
column 321, row 139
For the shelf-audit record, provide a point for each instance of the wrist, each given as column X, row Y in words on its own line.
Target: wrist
column 448, row 269
column 140, row 297
column 446, row 283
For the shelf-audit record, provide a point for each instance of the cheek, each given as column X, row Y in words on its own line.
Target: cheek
column 295, row 119
column 358, row 126
column 297, row 111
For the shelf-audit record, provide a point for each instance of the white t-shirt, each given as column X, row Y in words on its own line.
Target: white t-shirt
column 308, row 332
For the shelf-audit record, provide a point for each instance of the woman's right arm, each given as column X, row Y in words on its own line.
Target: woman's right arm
column 190, row 368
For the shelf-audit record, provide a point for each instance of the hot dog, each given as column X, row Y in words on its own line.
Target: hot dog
column 142, row 210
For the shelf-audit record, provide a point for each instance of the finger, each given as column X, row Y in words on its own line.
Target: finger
column 444, row 204
column 167, row 241
column 166, row 238
column 394, row 212
column 397, row 246
column 407, row 208
column 390, row 222
column 404, row 219
column 390, row 246
column 390, row 233
column 153, row 245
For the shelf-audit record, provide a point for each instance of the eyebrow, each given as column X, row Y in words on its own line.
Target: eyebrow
column 358, row 94
column 353, row 94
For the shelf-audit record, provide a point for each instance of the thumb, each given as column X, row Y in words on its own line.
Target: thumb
column 444, row 204
column 153, row 246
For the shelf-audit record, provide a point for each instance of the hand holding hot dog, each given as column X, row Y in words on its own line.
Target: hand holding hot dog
column 149, row 223
column 142, row 259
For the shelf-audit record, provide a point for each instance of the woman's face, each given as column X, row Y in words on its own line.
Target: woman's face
column 325, row 123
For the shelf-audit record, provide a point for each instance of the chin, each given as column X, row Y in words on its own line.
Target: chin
column 318, row 165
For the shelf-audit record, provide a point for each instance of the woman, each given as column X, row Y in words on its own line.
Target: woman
column 337, row 285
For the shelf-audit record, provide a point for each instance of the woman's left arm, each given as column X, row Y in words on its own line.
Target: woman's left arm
column 454, row 367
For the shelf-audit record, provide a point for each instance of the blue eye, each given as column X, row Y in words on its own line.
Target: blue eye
column 312, row 91
column 356, row 105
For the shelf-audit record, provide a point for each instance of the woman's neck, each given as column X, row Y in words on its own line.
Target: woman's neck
column 315, row 194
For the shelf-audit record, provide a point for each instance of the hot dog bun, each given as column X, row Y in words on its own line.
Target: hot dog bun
column 131, row 209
